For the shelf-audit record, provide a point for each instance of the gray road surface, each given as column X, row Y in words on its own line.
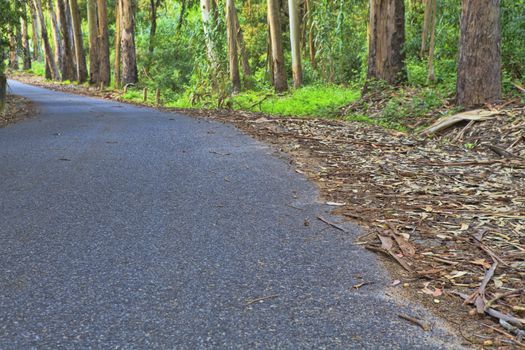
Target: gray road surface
column 124, row 227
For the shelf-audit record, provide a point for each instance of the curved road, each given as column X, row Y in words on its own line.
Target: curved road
column 124, row 227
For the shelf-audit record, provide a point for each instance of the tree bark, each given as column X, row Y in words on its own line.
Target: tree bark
column 26, row 50
column 129, row 57
column 210, row 45
column 51, row 66
column 295, row 41
column 233, row 59
column 71, row 35
column 118, row 51
column 56, row 36
column 13, row 54
column 479, row 65
column 431, row 73
column 3, row 91
column 154, row 4
column 103, row 42
column 68, row 67
column 386, row 57
column 274, row 22
column 93, row 42
column 246, row 70
column 311, row 39
column 79, row 43
column 35, row 37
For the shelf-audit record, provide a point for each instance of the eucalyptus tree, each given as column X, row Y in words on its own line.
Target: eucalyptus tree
column 67, row 64
column 76, row 21
column 93, row 42
column 479, row 65
column 104, row 69
column 295, row 41
column 127, row 40
column 277, row 53
column 51, row 65
column 233, row 59
column 386, row 55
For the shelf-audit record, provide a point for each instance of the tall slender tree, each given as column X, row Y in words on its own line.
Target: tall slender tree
column 35, row 37
column 241, row 46
column 295, row 41
column 81, row 68
column 26, row 50
column 103, row 44
column 479, row 65
column 386, row 54
column 233, row 58
column 206, row 8
column 57, row 43
column 51, row 66
column 13, row 48
column 118, row 51
column 153, row 6
column 67, row 68
column 129, row 56
column 93, row 42
column 277, row 53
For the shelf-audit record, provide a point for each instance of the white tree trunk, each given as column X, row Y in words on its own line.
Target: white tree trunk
column 295, row 40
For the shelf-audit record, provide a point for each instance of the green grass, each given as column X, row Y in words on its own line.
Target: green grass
column 38, row 68
column 322, row 101
column 312, row 101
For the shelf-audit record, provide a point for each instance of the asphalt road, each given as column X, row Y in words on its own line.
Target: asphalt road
column 125, row 227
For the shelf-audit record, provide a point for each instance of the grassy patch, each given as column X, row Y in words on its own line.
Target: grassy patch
column 315, row 101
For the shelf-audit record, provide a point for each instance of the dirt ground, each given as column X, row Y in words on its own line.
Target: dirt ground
column 445, row 212
column 17, row 108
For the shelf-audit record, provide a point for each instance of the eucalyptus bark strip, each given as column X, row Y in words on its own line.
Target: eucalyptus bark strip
column 233, row 59
column 295, row 42
column 51, row 66
column 129, row 56
column 279, row 70
column 103, row 44
column 81, row 68
column 386, row 55
column 93, row 42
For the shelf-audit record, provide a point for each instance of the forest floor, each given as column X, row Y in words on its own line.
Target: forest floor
column 17, row 108
column 447, row 211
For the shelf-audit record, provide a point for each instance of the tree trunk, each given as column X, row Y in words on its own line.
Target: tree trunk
column 71, row 35
column 129, row 57
column 118, row 31
column 479, row 65
column 246, row 70
column 93, row 42
column 280, row 80
column 35, row 37
column 3, row 91
column 295, row 41
column 426, row 27
column 232, row 45
column 56, row 36
column 26, row 50
column 154, row 4
column 311, row 39
column 386, row 57
column 431, row 73
column 79, row 43
column 103, row 42
column 210, row 45
column 51, row 66
column 67, row 68
column 13, row 54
